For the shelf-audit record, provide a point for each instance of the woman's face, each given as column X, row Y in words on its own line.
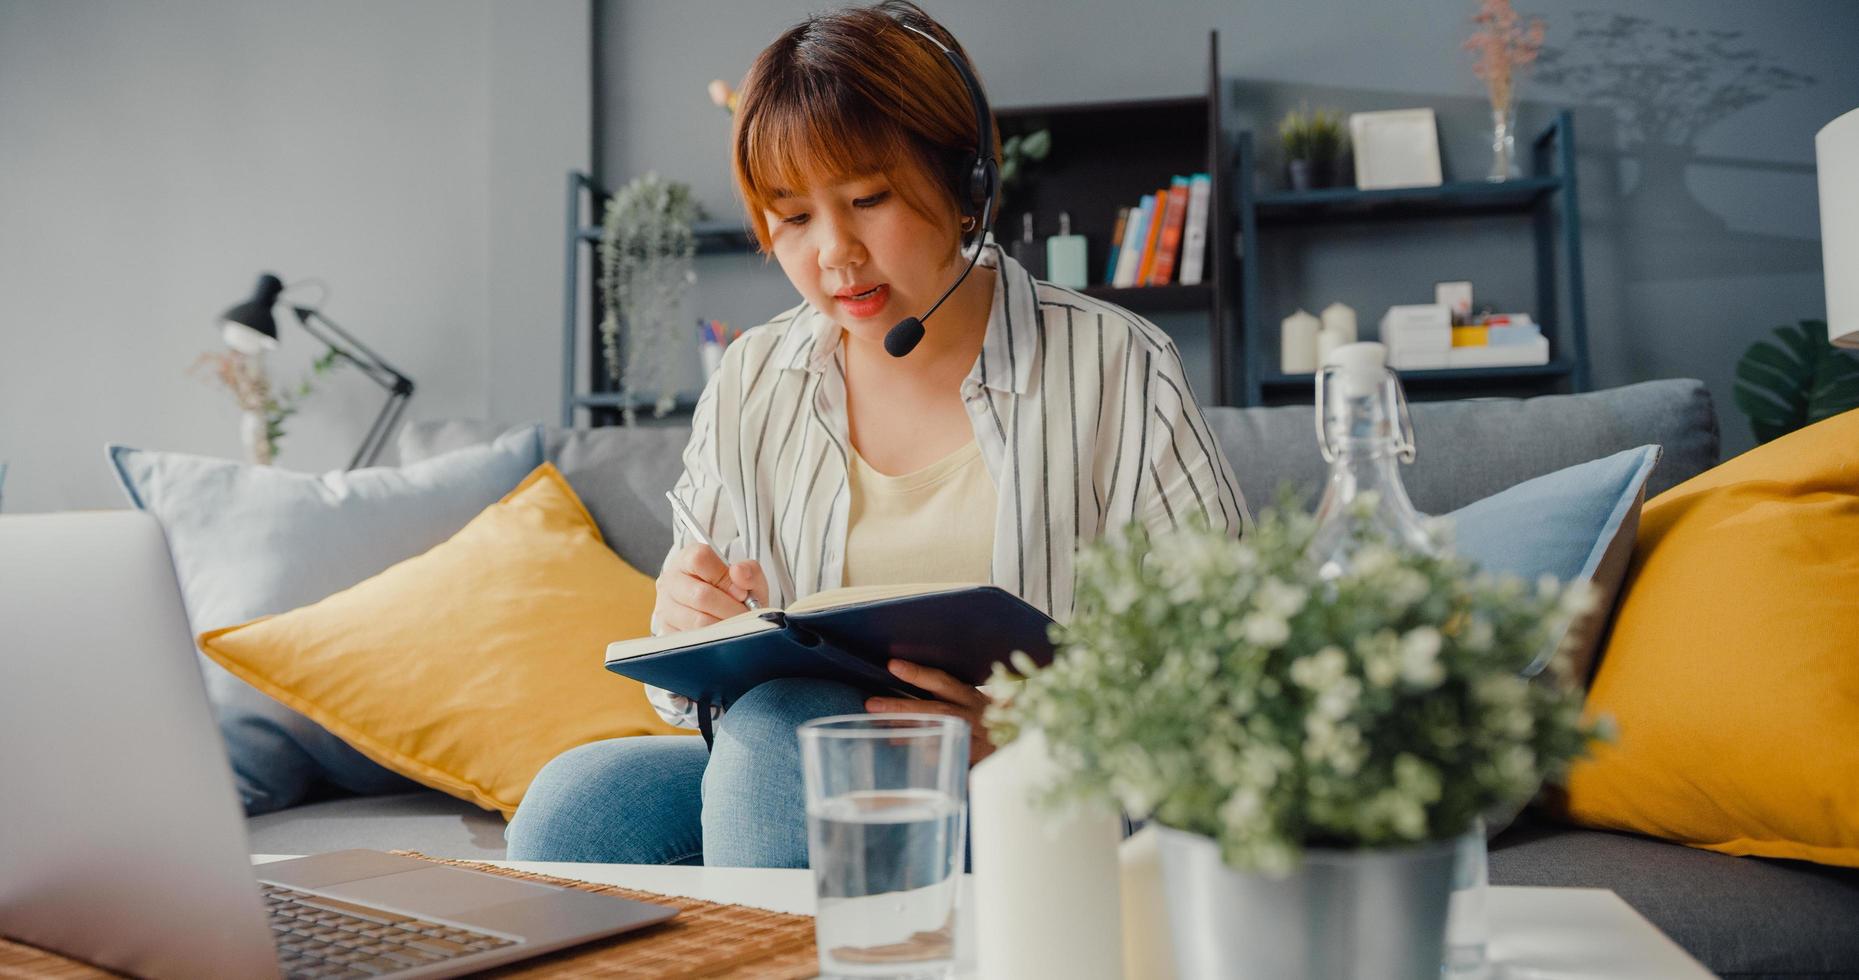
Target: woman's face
column 859, row 253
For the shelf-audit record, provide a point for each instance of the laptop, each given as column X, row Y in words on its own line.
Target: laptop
column 123, row 843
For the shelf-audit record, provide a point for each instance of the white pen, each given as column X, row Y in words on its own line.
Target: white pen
column 689, row 520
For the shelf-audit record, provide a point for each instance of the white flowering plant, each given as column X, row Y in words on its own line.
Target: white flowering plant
column 1221, row 688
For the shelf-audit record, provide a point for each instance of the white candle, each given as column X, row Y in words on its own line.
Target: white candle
column 1341, row 320
column 1297, row 344
column 1147, row 953
column 1046, row 884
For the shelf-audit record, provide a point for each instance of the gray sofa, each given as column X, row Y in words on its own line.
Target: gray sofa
column 1740, row 917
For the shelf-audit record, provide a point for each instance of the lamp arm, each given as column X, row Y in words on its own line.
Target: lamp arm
column 399, row 386
column 372, row 364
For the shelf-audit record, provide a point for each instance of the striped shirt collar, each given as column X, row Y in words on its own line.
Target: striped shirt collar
column 811, row 339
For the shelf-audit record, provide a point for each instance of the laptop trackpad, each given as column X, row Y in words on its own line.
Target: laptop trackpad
column 437, row 891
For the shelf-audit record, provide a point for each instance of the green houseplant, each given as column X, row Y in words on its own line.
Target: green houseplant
column 646, row 248
column 1312, row 143
column 1224, row 691
column 1794, row 381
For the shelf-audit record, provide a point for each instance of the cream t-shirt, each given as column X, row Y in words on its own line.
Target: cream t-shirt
column 933, row 525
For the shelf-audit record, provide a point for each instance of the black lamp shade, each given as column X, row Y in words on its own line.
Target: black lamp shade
column 255, row 316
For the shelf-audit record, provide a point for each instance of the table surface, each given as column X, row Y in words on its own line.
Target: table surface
column 1536, row 933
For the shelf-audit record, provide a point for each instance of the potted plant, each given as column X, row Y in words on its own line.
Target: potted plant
column 646, row 247
column 1799, row 380
column 1310, row 749
column 1312, row 143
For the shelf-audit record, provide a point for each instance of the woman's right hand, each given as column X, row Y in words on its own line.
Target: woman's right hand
column 696, row 589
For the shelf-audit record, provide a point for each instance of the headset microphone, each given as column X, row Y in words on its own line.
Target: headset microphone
column 982, row 184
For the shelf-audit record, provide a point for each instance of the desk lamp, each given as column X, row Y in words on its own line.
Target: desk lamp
column 250, row 329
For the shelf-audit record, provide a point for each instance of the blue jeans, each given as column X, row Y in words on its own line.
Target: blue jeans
column 665, row 800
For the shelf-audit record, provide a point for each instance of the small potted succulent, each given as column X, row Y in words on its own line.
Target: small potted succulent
column 1313, row 142
column 1311, row 748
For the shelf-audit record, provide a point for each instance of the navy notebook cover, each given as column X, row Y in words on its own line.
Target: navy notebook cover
column 963, row 631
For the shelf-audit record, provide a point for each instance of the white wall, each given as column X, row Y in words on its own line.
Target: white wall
column 154, row 158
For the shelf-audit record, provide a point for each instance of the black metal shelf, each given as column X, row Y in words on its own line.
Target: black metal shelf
column 1155, row 298
column 1440, row 376
column 1547, row 199
column 1518, row 196
column 713, row 237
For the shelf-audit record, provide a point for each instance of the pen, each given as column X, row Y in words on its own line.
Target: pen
column 689, row 520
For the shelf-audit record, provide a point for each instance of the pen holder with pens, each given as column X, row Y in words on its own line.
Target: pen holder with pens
column 712, row 337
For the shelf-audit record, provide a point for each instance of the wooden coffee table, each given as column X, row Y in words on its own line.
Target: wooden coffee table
column 1536, row 933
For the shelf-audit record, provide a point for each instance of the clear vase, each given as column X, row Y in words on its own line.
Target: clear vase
column 1504, row 165
column 255, row 434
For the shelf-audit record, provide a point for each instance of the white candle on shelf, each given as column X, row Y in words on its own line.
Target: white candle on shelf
column 1339, row 330
column 1046, row 884
column 1297, row 344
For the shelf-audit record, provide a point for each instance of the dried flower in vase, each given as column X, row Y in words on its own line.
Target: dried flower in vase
column 263, row 409
column 1502, row 45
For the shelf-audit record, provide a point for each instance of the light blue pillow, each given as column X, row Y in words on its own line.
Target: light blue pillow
column 1577, row 523
column 251, row 541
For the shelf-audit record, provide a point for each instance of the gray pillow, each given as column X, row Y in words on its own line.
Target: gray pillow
column 251, row 541
column 620, row 473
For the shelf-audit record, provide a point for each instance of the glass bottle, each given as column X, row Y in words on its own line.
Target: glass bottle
column 1365, row 434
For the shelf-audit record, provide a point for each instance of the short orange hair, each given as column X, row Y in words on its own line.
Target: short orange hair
column 851, row 93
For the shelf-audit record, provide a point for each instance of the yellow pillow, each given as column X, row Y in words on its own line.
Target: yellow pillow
column 1733, row 668
column 471, row 666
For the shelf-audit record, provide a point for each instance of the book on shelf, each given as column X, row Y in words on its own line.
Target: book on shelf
column 1152, row 235
column 846, row 634
column 1116, row 244
column 1131, row 256
column 1168, row 244
column 1194, row 234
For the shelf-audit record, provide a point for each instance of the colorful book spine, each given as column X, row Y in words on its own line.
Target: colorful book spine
column 1152, row 236
column 1194, row 237
column 1133, row 237
column 1169, row 246
column 1116, row 244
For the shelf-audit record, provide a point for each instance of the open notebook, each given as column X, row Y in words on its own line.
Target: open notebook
column 845, row 635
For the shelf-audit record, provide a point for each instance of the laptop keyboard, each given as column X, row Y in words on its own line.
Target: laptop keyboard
column 321, row 937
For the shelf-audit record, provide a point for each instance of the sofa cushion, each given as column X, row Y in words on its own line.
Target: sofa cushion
column 1468, row 450
column 1740, row 917
column 1473, row 448
column 1732, row 669
column 250, row 541
column 469, row 667
column 620, row 473
column 1576, row 524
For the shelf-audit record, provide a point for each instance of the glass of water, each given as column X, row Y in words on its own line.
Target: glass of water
column 886, row 818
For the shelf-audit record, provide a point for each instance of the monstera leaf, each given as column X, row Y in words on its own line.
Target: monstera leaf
column 1796, row 381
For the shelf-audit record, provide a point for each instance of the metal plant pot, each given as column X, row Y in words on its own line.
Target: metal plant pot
column 1343, row 914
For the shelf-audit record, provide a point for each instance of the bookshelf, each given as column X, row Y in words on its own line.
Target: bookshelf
column 1106, row 155
column 1544, row 203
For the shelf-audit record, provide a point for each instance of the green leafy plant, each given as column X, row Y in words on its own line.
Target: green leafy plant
column 1019, row 153
column 646, row 248
column 1796, row 381
column 1221, row 688
column 1312, row 135
column 245, row 378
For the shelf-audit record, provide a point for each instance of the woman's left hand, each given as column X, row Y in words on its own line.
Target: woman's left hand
column 956, row 698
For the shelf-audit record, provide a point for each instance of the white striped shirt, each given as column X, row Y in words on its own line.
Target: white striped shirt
column 1081, row 408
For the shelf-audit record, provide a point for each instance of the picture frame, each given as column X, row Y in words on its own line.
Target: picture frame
column 1395, row 148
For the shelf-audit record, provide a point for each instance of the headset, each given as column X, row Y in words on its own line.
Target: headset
column 976, row 193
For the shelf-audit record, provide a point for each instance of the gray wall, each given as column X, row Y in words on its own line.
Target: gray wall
column 154, row 158
column 1701, row 223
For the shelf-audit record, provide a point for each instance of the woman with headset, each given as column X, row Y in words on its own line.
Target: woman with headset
column 852, row 441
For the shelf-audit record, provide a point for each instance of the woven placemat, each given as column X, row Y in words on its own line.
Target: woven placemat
column 707, row 941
